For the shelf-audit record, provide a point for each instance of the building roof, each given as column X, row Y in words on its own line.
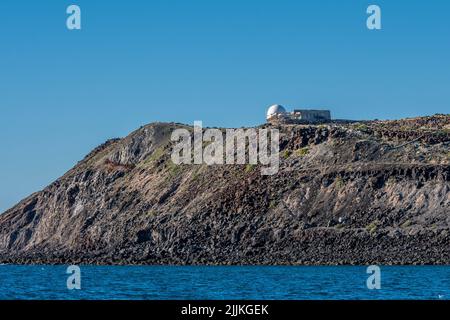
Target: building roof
column 275, row 109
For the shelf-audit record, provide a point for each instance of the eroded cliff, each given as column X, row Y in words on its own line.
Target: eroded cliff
column 353, row 193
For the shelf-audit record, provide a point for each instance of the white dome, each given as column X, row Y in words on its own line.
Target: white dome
column 275, row 109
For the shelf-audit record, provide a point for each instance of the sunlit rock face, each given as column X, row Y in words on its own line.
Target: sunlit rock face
column 346, row 192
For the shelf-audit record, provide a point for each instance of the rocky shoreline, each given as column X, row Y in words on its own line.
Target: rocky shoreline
column 357, row 193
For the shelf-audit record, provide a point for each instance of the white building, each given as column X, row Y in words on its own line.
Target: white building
column 278, row 114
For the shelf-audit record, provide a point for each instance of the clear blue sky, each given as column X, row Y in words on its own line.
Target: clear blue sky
column 64, row 92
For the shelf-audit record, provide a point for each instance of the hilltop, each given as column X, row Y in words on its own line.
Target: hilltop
column 346, row 193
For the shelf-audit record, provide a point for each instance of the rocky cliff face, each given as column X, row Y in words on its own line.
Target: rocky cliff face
column 346, row 193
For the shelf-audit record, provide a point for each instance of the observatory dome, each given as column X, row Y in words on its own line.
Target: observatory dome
column 275, row 109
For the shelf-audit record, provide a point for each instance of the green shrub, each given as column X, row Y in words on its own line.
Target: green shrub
column 173, row 169
column 302, row 152
column 406, row 224
column 154, row 156
column 340, row 226
column 249, row 167
column 372, row 227
column 286, row 154
column 362, row 127
column 151, row 213
column 339, row 182
column 403, row 128
column 391, row 180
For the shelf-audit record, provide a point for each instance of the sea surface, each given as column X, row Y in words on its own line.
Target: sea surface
column 230, row 282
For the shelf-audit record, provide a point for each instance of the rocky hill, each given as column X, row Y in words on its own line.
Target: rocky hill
column 346, row 193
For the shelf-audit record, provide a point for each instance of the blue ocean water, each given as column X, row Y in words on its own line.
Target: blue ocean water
column 229, row 282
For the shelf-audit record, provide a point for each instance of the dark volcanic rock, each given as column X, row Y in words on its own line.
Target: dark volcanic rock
column 346, row 193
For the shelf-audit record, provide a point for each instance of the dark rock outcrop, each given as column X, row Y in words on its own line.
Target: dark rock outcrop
column 346, row 193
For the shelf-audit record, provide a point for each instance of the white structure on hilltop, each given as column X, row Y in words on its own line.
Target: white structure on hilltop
column 274, row 110
column 278, row 114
